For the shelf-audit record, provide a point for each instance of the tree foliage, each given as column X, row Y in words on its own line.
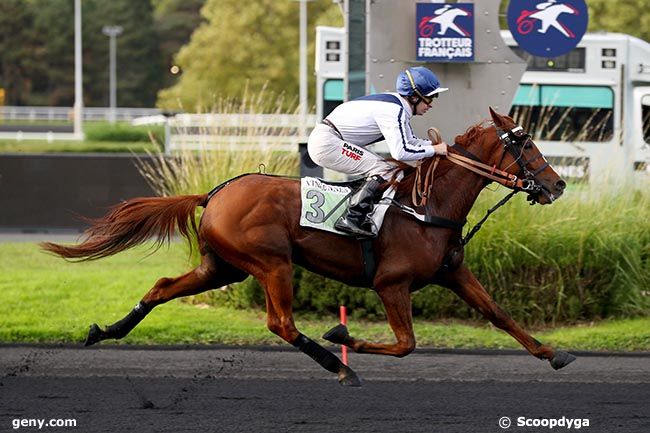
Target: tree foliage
column 622, row 16
column 37, row 49
column 175, row 20
column 16, row 41
column 138, row 57
column 239, row 47
column 54, row 84
column 226, row 48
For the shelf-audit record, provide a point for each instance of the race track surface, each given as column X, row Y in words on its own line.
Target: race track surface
column 221, row 389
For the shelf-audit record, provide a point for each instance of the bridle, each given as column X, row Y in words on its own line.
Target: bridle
column 514, row 142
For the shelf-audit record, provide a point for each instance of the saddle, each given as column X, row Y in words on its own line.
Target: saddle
column 324, row 202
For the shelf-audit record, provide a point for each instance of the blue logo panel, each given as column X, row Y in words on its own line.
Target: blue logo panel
column 445, row 32
column 548, row 28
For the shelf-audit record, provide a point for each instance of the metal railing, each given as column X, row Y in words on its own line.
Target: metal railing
column 237, row 131
column 182, row 131
column 65, row 114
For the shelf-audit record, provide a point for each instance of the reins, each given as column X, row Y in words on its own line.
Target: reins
column 470, row 234
column 423, row 183
column 490, row 172
column 420, row 192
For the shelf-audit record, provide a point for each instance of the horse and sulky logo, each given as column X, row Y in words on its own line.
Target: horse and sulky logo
column 445, row 32
column 548, row 28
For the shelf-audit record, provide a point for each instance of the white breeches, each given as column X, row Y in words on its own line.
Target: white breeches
column 328, row 150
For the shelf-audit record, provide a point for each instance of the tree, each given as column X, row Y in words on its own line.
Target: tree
column 623, row 16
column 139, row 73
column 54, row 77
column 240, row 48
column 175, row 20
column 16, row 43
column 37, row 52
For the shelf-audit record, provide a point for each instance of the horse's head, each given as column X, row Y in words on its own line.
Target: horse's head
column 508, row 147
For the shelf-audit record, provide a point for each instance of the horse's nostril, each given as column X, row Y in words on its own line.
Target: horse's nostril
column 560, row 185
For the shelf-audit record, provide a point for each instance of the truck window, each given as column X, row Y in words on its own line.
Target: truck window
column 645, row 115
column 332, row 95
column 565, row 113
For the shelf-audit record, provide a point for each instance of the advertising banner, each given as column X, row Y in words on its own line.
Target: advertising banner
column 548, row 28
column 445, row 32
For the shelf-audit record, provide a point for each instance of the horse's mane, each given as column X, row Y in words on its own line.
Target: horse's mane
column 406, row 184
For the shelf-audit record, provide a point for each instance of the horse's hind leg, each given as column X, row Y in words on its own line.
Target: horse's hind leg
column 464, row 283
column 278, row 289
column 210, row 274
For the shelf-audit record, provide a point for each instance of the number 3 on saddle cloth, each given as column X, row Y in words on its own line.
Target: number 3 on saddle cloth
column 323, row 203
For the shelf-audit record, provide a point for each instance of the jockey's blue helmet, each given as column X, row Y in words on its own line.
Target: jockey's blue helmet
column 419, row 81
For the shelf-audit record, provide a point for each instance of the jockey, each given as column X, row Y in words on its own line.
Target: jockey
column 339, row 142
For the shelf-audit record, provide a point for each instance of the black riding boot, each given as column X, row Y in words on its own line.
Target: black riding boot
column 361, row 204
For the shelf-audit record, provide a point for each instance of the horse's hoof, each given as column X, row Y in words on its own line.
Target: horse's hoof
column 95, row 335
column 347, row 377
column 561, row 359
column 338, row 334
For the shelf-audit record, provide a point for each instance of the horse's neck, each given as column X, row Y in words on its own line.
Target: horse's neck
column 455, row 192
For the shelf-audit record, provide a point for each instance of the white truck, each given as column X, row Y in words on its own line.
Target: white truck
column 589, row 110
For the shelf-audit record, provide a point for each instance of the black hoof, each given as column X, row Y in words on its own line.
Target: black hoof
column 347, row 377
column 95, row 335
column 561, row 359
column 338, row 334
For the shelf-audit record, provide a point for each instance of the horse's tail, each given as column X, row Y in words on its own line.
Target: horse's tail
column 132, row 223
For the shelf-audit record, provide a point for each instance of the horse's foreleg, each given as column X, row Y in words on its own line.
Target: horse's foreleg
column 279, row 297
column 397, row 302
column 212, row 273
column 464, row 283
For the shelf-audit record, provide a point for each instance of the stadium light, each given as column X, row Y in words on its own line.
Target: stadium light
column 112, row 32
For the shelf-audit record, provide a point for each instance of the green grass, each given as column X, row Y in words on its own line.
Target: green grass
column 48, row 300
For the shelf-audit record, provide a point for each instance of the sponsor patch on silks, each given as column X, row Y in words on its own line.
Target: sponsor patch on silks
column 324, row 203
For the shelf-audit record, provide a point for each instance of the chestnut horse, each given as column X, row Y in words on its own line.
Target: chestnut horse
column 250, row 226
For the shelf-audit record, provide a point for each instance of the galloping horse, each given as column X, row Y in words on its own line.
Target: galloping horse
column 250, row 226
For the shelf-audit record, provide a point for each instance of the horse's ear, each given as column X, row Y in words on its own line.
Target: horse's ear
column 496, row 117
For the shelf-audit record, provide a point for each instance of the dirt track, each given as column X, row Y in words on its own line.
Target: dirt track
column 259, row 390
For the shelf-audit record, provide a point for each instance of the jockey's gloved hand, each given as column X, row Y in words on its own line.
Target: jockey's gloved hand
column 440, row 148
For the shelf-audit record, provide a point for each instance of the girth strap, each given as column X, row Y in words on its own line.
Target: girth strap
column 369, row 263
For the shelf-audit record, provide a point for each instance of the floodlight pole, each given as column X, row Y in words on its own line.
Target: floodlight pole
column 112, row 32
column 78, row 74
column 302, row 130
column 303, row 69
